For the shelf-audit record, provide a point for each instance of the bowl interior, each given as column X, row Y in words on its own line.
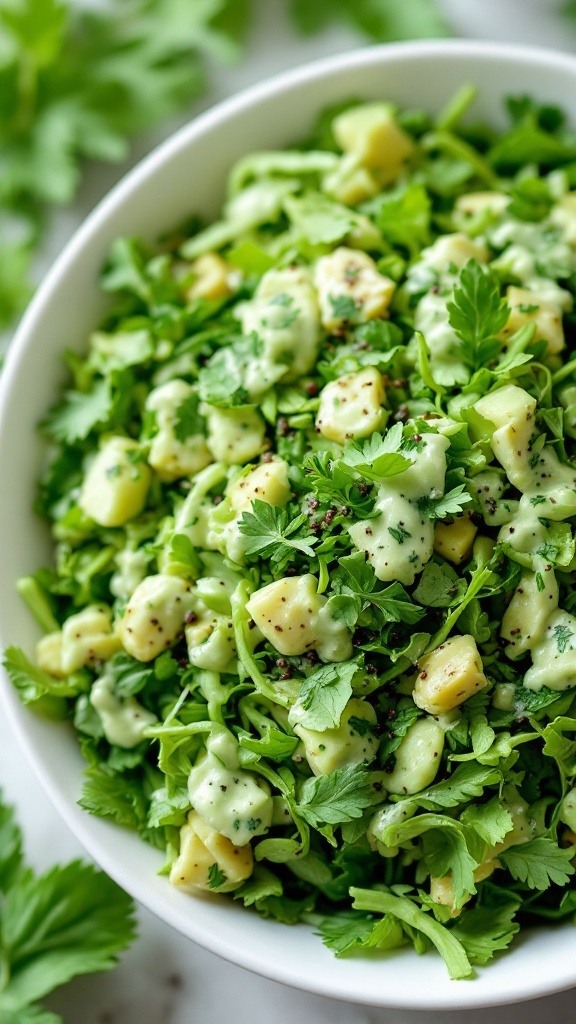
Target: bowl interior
column 187, row 174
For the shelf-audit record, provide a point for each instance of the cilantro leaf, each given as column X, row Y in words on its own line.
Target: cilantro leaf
column 80, row 413
column 262, row 883
column 30, row 682
column 403, row 217
column 216, row 876
column 539, row 863
column 271, row 532
column 558, row 746
column 114, row 796
column 338, row 797
column 11, row 853
column 325, row 694
column 450, row 504
column 344, row 932
column 188, row 420
column 439, row 586
column 396, row 729
column 477, row 313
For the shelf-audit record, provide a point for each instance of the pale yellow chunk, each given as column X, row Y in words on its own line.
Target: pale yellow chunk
column 472, row 204
column 349, row 182
column 351, row 407
column 211, row 277
column 442, row 889
column 350, row 274
column 527, row 615
column 87, row 637
column 454, row 541
column 370, row 132
column 49, row 654
column 267, row 482
column 563, row 216
column 294, row 618
column 452, row 252
column 526, row 307
column 116, row 484
column 235, row 436
column 343, row 745
column 155, row 615
column 202, row 848
column 210, row 640
column 449, row 675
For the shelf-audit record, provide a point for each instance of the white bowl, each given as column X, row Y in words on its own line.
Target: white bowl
column 187, row 173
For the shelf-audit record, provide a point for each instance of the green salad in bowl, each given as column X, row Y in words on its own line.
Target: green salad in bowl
column 312, row 494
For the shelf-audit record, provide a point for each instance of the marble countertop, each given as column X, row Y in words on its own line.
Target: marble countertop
column 164, row 978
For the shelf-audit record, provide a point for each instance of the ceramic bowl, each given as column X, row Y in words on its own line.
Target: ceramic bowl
column 187, row 173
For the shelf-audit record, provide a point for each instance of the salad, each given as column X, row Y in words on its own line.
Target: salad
column 313, row 496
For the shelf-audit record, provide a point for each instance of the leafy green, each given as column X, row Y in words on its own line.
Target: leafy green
column 539, row 863
column 486, row 930
column 324, row 695
column 383, row 21
column 477, row 313
column 71, row 920
column 378, row 457
column 338, row 797
column 271, row 532
column 409, row 914
column 450, row 504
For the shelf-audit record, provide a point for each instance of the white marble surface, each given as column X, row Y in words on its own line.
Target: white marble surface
column 165, row 979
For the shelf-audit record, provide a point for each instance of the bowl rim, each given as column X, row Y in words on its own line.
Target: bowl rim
column 521, row 987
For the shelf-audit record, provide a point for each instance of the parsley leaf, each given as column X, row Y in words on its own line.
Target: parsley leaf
column 468, row 780
column 450, row 504
column 378, row 457
column 325, row 693
column 355, row 576
column 216, row 876
column 477, row 313
column 491, row 821
column 344, row 932
column 539, row 863
column 403, row 217
column 338, row 797
column 439, row 586
column 272, row 534
column 80, row 413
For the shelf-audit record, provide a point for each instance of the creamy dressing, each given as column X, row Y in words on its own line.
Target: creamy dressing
column 123, row 721
column 400, row 540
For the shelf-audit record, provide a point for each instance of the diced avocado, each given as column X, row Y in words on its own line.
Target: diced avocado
column 234, row 802
column 525, row 618
column 123, row 721
column 449, row 675
column 417, row 758
column 351, row 407
column 116, row 484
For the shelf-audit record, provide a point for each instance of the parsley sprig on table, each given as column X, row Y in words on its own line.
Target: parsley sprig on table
column 68, row 921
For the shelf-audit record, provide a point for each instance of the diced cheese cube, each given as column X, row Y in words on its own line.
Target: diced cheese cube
column 87, row 637
column 116, row 484
column 235, row 436
column 351, row 407
column 202, row 849
column 449, row 675
column 454, row 540
column 155, row 615
column 294, row 618
column 526, row 307
column 211, row 277
column 343, row 745
column 49, row 654
column 472, row 204
column 349, row 182
column 449, row 253
column 267, row 482
column 370, row 132
column 350, row 288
